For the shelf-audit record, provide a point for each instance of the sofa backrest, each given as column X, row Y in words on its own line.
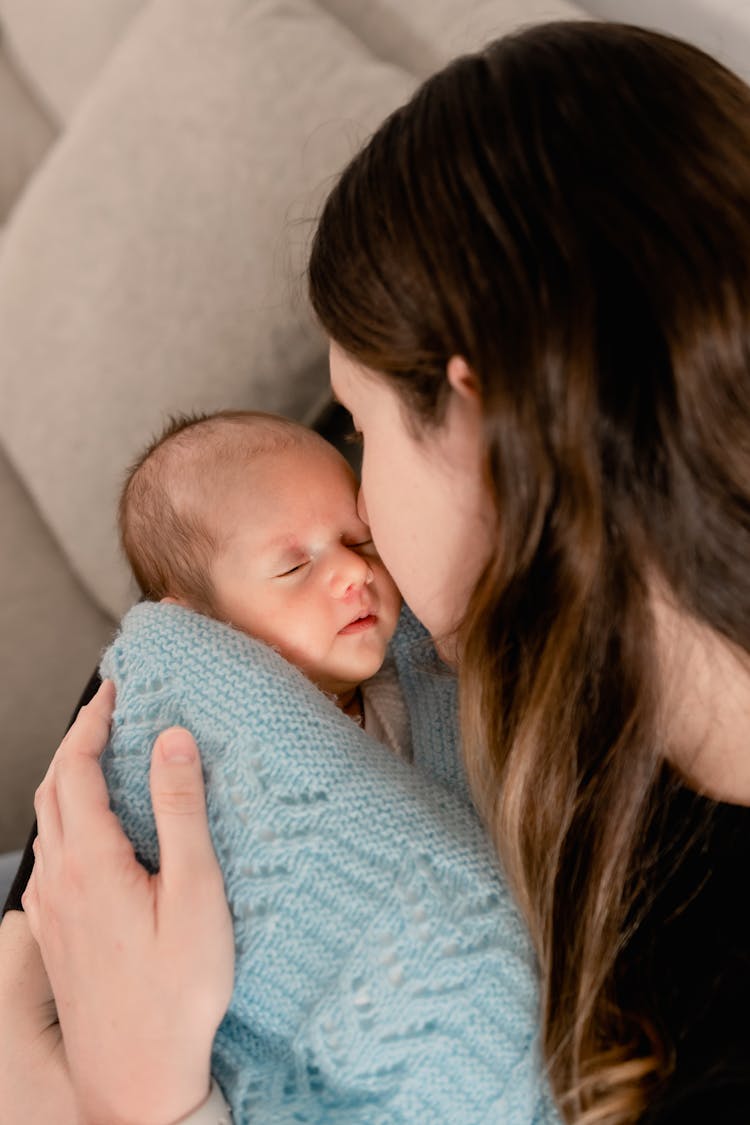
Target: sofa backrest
column 155, row 264
column 62, row 45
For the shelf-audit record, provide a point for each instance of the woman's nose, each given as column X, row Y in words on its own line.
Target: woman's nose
column 350, row 572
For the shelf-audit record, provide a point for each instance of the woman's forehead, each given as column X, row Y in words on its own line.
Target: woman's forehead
column 349, row 379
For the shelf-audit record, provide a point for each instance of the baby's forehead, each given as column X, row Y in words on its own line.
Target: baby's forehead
column 220, row 446
column 268, row 462
column 309, row 469
column 304, row 457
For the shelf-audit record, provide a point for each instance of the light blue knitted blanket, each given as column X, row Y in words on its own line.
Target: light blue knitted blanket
column 383, row 974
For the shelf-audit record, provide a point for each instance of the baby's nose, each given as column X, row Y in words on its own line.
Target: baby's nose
column 350, row 574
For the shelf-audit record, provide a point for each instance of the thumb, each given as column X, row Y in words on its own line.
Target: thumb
column 179, row 802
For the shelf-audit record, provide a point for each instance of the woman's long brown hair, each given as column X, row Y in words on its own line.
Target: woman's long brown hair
column 569, row 210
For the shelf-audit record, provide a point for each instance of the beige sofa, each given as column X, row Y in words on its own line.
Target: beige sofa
column 161, row 164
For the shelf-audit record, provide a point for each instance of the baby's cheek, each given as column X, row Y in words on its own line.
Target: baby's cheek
column 287, row 619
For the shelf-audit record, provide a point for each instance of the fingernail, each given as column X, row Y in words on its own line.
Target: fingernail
column 177, row 746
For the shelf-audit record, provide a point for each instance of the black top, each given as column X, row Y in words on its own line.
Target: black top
column 691, row 953
column 691, row 959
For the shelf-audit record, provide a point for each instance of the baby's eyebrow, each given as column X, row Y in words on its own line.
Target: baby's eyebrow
column 282, row 545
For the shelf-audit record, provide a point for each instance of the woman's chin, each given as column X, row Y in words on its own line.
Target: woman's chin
column 447, row 650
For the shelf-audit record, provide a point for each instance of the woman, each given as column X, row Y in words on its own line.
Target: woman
column 535, row 281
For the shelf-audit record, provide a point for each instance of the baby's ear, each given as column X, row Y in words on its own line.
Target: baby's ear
column 169, row 600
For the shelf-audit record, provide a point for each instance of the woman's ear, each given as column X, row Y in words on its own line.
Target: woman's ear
column 461, row 378
column 464, row 420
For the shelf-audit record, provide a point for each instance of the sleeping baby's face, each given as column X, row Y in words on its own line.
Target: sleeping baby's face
column 298, row 569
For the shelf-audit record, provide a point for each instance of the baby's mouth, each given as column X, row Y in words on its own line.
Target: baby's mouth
column 360, row 623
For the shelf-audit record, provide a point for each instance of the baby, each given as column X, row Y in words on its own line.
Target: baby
column 252, row 519
column 325, row 842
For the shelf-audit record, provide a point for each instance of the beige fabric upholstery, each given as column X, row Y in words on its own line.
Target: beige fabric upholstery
column 63, row 45
column 25, row 134
column 424, row 34
column 51, row 636
column 151, row 267
column 721, row 27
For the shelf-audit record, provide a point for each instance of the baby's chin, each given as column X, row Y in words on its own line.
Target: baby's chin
column 345, row 678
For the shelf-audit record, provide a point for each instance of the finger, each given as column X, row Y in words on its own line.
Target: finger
column 30, row 904
column 82, row 796
column 48, row 822
column 179, row 802
column 89, row 732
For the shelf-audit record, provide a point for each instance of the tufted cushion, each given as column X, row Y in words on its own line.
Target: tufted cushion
column 50, row 638
column 721, row 27
column 61, row 46
column 25, row 134
column 423, row 35
column 151, row 265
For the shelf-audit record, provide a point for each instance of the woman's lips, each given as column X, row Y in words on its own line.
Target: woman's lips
column 360, row 624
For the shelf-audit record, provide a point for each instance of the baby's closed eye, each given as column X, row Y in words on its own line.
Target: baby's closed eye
column 294, row 569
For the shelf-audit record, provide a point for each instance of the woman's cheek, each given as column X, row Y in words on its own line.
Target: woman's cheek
column 374, row 510
column 389, row 527
column 362, row 506
column 385, row 581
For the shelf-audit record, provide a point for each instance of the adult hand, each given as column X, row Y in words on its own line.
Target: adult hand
column 141, row 965
column 34, row 1080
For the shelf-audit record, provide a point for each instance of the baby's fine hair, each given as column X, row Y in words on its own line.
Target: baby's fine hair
column 165, row 511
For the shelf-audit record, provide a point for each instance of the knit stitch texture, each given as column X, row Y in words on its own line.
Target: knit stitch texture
column 383, row 974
